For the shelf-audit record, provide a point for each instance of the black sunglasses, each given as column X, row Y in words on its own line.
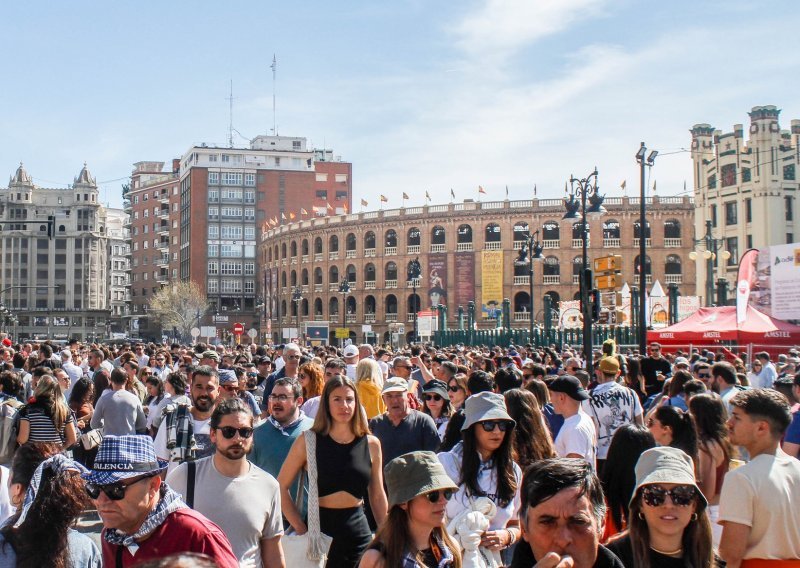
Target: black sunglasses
column 434, row 496
column 490, row 425
column 682, row 495
column 229, row 432
column 114, row 491
column 455, row 388
column 435, row 397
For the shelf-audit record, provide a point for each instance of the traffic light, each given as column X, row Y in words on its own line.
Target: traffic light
column 51, row 226
column 594, row 297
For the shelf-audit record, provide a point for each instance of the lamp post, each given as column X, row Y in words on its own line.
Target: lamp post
column 344, row 290
column 584, row 189
column 297, row 297
column 531, row 251
column 643, row 163
column 712, row 247
column 414, row 272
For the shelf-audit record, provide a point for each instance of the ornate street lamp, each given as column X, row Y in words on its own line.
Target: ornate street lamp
column 531, row 251
column 414, row 272
column 344, row 290
column 643, row 163
column 710, row 253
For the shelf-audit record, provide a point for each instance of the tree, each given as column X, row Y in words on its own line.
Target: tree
column 180, row 306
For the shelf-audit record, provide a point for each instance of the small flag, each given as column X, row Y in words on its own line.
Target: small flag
column 292, row 216
column 405, row 195
column 654, row 185
column 506, row 192
column 481, row 190
column 384, row 199
column 452, row 193
column 272, row 222
column 427, row 196
column 534, row 190
column 364, row 203
column 329, row 206
column 623, row 184
column 283, row 217
column 303, row 211
column 345, row 207
column 684, row 185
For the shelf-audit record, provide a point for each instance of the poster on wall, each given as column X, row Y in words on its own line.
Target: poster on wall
column 569, row 314
column 624, row 307
column 492, row 283
column 437, row 279
column 782, row 276
column 658, row 307
column 465, row 282
column 687, row 305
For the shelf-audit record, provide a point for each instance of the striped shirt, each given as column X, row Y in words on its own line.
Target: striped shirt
column 42, row 428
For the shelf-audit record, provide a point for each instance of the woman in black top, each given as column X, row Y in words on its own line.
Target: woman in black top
column 349, row 465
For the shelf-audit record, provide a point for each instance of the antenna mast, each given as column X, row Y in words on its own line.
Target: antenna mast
column 274, row 68
column 230, row 112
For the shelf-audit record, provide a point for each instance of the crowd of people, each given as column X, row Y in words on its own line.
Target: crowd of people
column 465, row 456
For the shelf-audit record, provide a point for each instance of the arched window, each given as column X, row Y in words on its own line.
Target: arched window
column 294, row 249
column 283, row 250
column 269, row 255
column 304, row 307
column 551, row 267
column 438, row 236
column 318, row 275
column 283, row 307
column 369, row 305
column 276, row 253
column 318, row 307
column 304, row 248
column 636, row 230
column 672, row 229
column 369, row 272
column 672, row 265
column 647, row 267
column 333, row 307
column 464, row 234
column 351, row 241
column 390, row 272
column 351, row 305
column 391, row 304
column 492, row 233
column 577, row 266
column 318, row 245
column 293, row 278
column 551, row 231
column 522, row 302
column 333, row 275
column 283, row 279
column 611, row 229
column 304, row 277
column 369, row 240
column 577, row 230
column 333, row 244
column 351, row 274
column 414, row 303
column 414, row 237
column 391, row 238
column 521, row 231
column 555, row 298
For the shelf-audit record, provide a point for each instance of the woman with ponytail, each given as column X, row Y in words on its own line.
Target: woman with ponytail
column 47, row 418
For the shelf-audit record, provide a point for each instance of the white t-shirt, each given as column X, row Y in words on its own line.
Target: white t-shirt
column 577, row 436
column 762, row 494
column 311, row 406
column 246, row 508
column 610, row 406
column 6, row 508
column 202, row 437
column 487, row 481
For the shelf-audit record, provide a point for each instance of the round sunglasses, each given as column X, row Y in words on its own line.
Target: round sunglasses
column 434, row 496
column 682, row 495
column 434, row 397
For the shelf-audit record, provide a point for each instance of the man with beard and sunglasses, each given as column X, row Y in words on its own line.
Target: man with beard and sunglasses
column 143, row 518
column 240, row 497
column 184, row 434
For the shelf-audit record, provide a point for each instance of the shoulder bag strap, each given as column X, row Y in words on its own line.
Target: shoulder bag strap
column 316, row 549
column 192, row 473
column 119, row 556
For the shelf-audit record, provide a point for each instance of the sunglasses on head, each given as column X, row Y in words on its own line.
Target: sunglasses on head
column 682, row 495
column 454, row 388
column 114, row 491
column 229, row 432
column 434, row 496
column 490, row 425
column 435, row 397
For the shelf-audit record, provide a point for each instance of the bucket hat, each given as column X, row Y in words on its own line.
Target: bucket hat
column 395, row 384
column 413, row 474
column 436, row 387
column 485, row 406
column 665, row 464
column 124, row 457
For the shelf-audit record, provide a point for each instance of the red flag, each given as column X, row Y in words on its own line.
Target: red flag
column 481, row 190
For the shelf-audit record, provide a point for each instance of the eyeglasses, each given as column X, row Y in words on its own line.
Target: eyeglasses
column 682, row 495
column 490, row 425
column 703, row 376
column 293, row 356
column 160, row 359
column 228, row 388
column 434, row 496
column 435, row 397
column 114, row 491
column 454, row 388
column 281, row 397
column 229, row 432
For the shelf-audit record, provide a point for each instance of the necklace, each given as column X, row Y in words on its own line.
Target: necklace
column 673, row 553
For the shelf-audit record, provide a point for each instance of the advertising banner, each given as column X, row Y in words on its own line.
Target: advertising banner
column 782, row 277
column 465, row 281
column 745, row 282
column 687, row 305
column 624, row 308
column 437, row 279
column 658, row 313
column 569, row 314
column 492, row 283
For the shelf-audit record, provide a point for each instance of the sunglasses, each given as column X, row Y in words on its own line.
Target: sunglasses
column 490, row 425
column 114, row 491
column 434, row 496
column 455, row 388
column 435, row 397
column 229, row 432
column 703, row 376
column 682, row 495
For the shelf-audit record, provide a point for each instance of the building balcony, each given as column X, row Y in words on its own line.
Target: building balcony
column 439, row 248
column 318, row 257
column 284, row 262
column 317, row 288
column 350, row 318
column 369, row 285
column 390, row 318
column 333, row 287
column 350, row 254
column 464, row 247
column 551, row 243
column 612, row 243
column 518, row 244
column 576, row 279
column 414, row 249
column 416, row 283
column 522, row 316
column 492, row 245
column 390, row 251
column 648, row 242
column 673, row 278
column 390, row 283
column 551, row 279
column 578, row 243
column 304, row 288
column 334, row 255
column 369, row 318
column 648, row 279
column 319, row 317
column 672, row 243
column 304, row 259
column 522, row 280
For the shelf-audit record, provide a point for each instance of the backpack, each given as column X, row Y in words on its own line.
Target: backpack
column 9, row 423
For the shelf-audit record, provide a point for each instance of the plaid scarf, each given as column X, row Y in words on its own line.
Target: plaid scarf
column 180, row 433
column 443, row 555
column 169, row 502
column 59, row 463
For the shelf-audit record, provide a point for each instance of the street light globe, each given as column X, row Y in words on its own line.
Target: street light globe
column 693, row 255
column 726, row 254
column 708, row 254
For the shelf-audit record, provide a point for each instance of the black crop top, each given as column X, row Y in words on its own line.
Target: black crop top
column 343, row 467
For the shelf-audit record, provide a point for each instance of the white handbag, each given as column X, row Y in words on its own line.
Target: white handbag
column 309, row 550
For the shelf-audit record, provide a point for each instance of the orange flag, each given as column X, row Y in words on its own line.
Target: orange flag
column 481, row 190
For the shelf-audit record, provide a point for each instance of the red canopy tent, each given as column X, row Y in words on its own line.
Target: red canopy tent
column 718, row 326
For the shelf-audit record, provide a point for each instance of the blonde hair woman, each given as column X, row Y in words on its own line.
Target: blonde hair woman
column 369, row 382
column 47, row 418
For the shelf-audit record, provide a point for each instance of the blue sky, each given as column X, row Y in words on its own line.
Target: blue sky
column 419, row 95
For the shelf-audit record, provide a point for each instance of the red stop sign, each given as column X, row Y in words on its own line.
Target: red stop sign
column 238, row 329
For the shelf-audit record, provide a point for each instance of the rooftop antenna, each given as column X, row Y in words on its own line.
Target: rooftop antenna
column 274, row 68
column 230, row 112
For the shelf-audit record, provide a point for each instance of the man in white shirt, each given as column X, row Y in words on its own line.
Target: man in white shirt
column 74, row 372
column 577, row 437
column 351, row 360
